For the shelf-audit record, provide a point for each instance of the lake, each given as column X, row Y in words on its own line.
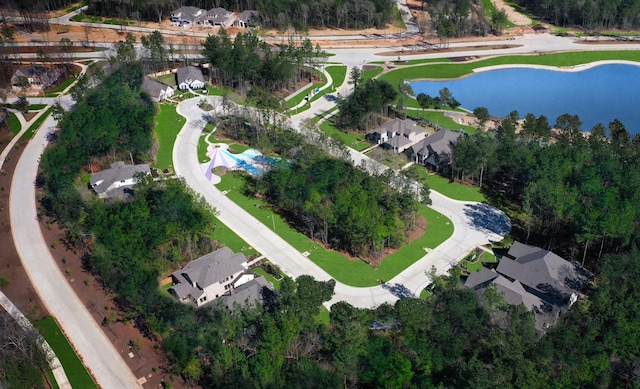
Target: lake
column 597, row 95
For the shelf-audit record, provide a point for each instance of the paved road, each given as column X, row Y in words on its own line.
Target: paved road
column 97, row 352
column 474, row 224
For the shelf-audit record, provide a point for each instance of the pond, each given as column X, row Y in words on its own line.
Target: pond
column 596, row 94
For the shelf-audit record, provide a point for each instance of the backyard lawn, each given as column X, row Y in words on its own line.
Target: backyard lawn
column 168, row 79
column 169, row 124
column 351, row 272
column 454, row 190
column 355, row 141
column 73, row 367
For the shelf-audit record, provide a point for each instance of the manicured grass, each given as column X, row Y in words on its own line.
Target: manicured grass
column 202, row 148
column 438, row 118
column 295, row 100
column 355, row 141
column 456, row 70
column 371, row 73
column 338, row 74
column 36, row 107
column 476, row 264
column 237, row 148
column 14, row 123
column 73, row 367
column 224, row 235
column 426, row 60
column 53, row 92
column 350, row 272
column 33, row 128
column 323, row 316
column 168, row 79
column 454, row 190
column 169, row 124
column 268, row 277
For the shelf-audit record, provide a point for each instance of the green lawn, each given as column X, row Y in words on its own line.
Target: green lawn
column 237, row 148
column 36, row 107
column 475, row 264
column 438, row 118
column 323, row 316
column 14, row 123
column 456, row 70
column 168, row 79
column 371, row 73
column 355, row 141
column 350, row 272
column 169, row 124
column 425, row 60
column 454, row 190
column 268, row 277
column 338, row 74
column 73, row 367
column 33, row 128
column 295, row 100
column 202, row 148
column 53, row 92
column 224, row 235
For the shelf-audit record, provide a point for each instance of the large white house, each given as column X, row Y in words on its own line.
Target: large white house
column 118, row 181
column 210, row 276
column 397, row 134
column 189, row 77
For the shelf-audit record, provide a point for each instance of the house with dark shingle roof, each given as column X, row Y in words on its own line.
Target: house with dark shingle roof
column 210, row 277
column 431, row 150
column 397, row 134
column 188, row 15
column 246, row 19
column 219, row 17
column 189, row 77
column 538, row 279
column 118, row 181
column 157, row 90
column 251, row 292
column 38, row 76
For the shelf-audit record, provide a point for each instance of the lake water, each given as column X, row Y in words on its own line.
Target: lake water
column 597, row 95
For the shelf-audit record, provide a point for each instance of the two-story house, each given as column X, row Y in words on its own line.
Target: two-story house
column 397, row 134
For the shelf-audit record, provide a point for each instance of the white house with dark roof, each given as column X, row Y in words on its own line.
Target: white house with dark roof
column 397, row 134
column 430, row 150
column 210, row 277
column 189, row 15
column 118, row 181
column 157, row 90
column 246, row 19
column 189, row 77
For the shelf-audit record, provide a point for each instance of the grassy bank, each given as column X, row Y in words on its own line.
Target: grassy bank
column 169, row 124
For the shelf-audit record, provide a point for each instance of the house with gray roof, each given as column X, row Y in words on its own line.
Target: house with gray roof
column 38, row 76
column 251, row 292
column 210, row 277
column 118, row 181
column 188, row 16
column 246, row 19
column 538, row 279
column 397, row 134
column 189, row 77
column 157, row 90
column 220, row 17
column 432, row 149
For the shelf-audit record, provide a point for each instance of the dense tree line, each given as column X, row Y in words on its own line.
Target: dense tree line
column 577, row 193
column 368, row 101
column 340, row 205
column 248, row 61
column 279, row 14
column 591, row 15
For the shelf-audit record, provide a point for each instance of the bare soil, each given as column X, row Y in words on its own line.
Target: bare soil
column 147, row 359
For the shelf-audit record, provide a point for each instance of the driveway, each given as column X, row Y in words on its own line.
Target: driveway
column 474, row 224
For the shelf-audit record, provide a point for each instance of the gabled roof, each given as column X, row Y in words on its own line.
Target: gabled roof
column 478, row 279
column 400, row 127
column 213, row 267
column 189, row 73
column 247, row 15
column 544, row 271
column 438, row 143
column 251, row 293
column 513, row 291
column 44, row 75
column 154, row 87
column 398, row 142
column 189, row 13
column 102, row 181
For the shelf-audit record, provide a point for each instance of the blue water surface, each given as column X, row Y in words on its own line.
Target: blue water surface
column 597, row 95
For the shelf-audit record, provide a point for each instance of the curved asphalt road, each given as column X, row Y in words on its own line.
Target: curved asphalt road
column 474, row 224
column 98, row 354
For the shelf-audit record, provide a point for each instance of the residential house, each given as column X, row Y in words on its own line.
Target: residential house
column 397, row 134
column 157, row 90
column 188, row 16
column 431, row 150
column 38, row 76
column 190, row 77
column 251, row 292
column 538, row 279
column 246, row 19
column 118, row 181
column 210, row 276
column 219, row 17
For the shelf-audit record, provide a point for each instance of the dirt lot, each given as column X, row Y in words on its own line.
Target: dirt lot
column 147, row 360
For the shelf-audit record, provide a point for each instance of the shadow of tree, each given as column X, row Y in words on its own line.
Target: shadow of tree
column 398, row 290
column 487, row 219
